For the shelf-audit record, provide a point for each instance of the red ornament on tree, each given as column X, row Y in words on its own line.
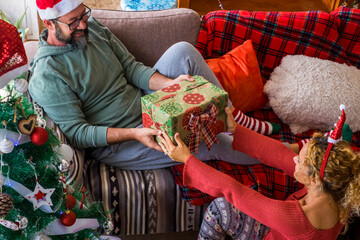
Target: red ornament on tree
column 68, row 218
column 70, row 201
column 39, row 136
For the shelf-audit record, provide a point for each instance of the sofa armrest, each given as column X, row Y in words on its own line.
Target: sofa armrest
column 147, row 34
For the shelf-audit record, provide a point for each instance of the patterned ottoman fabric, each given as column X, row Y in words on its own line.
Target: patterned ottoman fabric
column 273, row 34
column 141, row 202
column 146, row 5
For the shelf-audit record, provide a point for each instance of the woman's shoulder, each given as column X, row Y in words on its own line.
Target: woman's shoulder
column 321, row 212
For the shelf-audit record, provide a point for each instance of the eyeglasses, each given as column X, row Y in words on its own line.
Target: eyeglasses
column 84, row 17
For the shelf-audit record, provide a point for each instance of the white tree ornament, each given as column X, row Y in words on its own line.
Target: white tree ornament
column 6, row 145
column 21, row 85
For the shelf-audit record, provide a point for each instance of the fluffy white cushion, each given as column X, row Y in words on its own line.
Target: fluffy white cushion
column 306, row 93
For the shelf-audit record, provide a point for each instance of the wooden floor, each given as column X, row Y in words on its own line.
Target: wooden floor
column 205, row 6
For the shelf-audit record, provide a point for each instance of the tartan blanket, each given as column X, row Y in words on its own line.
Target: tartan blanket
column 273, row 34
column 269, row 181
column 348, row 22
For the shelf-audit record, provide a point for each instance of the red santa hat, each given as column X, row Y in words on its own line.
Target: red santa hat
column 335, row 136
column 13, row 60
column 51, row 9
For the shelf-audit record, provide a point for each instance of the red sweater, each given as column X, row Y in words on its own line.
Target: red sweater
column 285, row 218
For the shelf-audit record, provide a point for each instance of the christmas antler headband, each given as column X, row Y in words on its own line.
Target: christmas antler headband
column 334, row 137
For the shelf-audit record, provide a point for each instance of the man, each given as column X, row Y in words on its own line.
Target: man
column 90, row 85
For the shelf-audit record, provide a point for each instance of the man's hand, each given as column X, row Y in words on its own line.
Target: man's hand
column 158, row 81
column 146, row 137
column 183, row 78
column 143, row 135
column 179, row 153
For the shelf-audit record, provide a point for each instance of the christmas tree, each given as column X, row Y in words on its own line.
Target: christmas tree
column 35, row 201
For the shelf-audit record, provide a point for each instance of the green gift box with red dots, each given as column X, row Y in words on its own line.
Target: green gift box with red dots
column 170, row 108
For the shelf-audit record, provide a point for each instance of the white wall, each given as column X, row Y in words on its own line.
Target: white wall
column 15, row 8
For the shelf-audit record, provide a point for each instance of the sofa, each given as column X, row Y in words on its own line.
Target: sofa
column 156, row 201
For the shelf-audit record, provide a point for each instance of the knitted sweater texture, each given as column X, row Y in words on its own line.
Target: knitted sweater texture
column 86, row 90
column 285, row 218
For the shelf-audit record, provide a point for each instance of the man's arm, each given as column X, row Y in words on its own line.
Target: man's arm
column 143, row 135
column 158, row 81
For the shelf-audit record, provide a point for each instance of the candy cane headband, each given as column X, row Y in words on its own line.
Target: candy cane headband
column 334, row 137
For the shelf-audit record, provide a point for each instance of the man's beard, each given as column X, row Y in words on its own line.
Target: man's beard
column 79, row 43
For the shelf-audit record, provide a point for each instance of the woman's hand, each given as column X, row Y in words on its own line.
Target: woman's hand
column 230, row 121
column 179, row 153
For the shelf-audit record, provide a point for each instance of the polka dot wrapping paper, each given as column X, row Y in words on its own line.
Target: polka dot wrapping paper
column 12, row 52
column 170, row 109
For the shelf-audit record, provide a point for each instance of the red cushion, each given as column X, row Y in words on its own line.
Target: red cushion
column 348, row 22
column 239, row 74
column 273, row 34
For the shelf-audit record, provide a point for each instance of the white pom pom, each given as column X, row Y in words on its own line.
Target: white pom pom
column 6, row 146
column 21, row 85
column 342, row 107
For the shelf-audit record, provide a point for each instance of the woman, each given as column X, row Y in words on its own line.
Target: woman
column 319, row 211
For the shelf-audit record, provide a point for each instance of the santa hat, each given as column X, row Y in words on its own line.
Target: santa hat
column 13, row 60
column 52, row 9
column 335, row 136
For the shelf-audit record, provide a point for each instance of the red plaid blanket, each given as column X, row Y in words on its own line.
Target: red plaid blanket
column 348, row 22
column 273, row 34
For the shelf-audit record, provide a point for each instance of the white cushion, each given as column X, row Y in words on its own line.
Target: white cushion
column 306, row 93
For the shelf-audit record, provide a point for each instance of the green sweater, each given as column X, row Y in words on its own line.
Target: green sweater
column 87, row 90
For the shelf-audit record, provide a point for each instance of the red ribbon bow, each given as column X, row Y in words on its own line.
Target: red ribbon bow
column 200, row 125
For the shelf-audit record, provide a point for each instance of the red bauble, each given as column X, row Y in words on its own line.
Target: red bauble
column 39, row 136
column 70, row 201
column 68, row 218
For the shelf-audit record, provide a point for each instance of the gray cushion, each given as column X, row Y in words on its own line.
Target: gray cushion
column 147, row 34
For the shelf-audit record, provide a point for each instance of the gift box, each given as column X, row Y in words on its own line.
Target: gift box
column 194, row 109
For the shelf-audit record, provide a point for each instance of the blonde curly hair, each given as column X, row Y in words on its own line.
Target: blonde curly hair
column 341, row 177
